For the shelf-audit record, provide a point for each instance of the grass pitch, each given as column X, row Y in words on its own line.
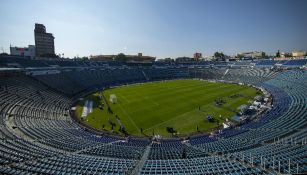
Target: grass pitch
column 154, row 106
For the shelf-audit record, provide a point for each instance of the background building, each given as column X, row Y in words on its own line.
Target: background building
column 23, row 51
column 122, row 57
column 44, row 42
column 253, row 54
column 184, row 59
column 297, row 53
column 102, row 57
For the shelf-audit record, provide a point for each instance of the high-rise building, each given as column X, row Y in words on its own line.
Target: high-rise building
column 44, row 42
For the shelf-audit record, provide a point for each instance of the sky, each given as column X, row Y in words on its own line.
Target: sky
column 161, row 28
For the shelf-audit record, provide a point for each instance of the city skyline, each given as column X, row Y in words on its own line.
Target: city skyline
column 158, row 28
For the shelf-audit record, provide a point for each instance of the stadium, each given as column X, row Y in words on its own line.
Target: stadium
column 153, row 87
column 110, row 117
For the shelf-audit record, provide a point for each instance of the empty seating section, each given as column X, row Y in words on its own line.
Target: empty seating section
column 37, row 135
column 76, row 81
column 15, row 61
column 19, row 61
column 173, row 150
column 18, row 150
column 205, row 165
column 119, row 150
column 250, row 76
column 266, row 63
column 194, row 140
column 271, row 155
column 72, row 164
column 295, row 62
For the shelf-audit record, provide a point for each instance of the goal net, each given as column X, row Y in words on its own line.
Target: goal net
column 113, row 98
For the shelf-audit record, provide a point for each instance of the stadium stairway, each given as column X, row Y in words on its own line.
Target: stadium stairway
column 137, row 169
column 238, row 161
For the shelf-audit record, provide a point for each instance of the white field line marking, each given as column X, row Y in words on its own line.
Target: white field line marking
column 128, row 116
column 152, row 101
column 178, row 116
column 124, row 98
column 191, row 99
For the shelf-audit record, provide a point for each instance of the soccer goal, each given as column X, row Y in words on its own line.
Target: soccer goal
column 113, row 98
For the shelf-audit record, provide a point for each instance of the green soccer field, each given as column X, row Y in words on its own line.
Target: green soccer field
column 181, row 104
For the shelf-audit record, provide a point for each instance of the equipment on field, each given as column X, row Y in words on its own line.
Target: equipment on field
column 210, row 118
column 113, row 98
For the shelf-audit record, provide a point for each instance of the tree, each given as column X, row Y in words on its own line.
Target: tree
column 306, row 54
column 84, row 58
column 263, row 55
column 240, row 56
column 278, row 54
column 121, row 57
column 219, row 56
column 216, row 54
